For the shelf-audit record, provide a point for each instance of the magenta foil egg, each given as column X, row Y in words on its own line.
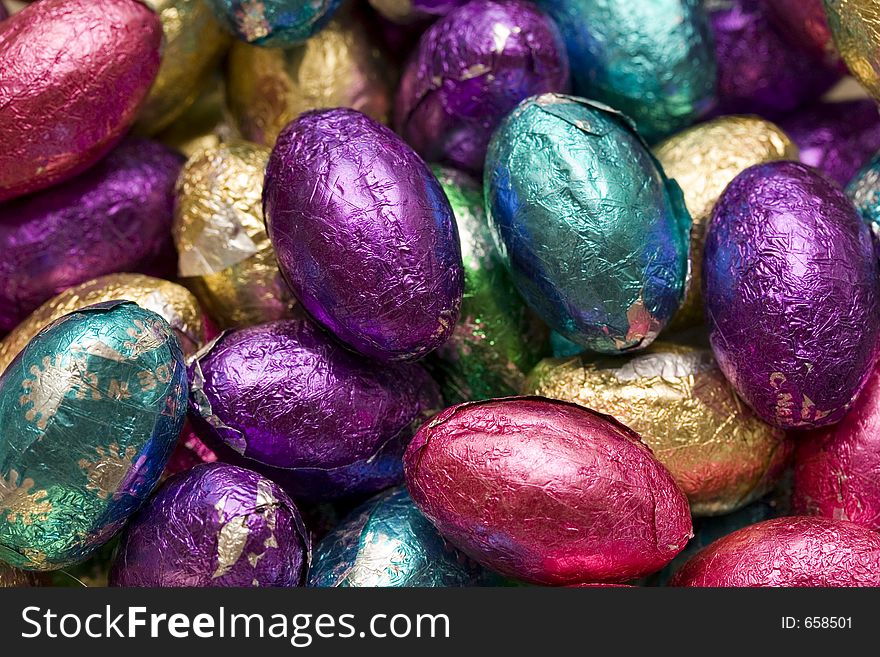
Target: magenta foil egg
column 364, row 234
column 472, row 68
column 74, row 73
column 214, row 525
column 792, row 294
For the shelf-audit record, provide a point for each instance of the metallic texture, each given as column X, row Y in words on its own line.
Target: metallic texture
column 387, row 542
column 364, row 235
column 193, row 47
column 469, row 71
column 855, row 26
column 225, row 256
column 546, row 492
column 61, row 59
column 804, row 24
column 90, row 412
column 789, row 552
column 792, row 293
column 189, row 452
column 215, row 525
column 115, row 217
column 411, row 11
column 676, row 398
column 274, row 23
column 650, row 59
column 562, row 347
column 594, row 233
column 13, row 578
column 341, row 66
column 864, row 191
column 703, row 160
column 205, row 124
column 498, row 339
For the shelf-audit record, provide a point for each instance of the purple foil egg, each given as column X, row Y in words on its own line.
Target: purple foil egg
column 470, row 70
column 364, row 234
column 115, row 217
column 836, row 138
column 792, row 294
column 214, row 525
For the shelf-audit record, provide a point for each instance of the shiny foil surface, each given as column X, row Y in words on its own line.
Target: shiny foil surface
column 791, row 287
column 388, row 542
column 13, row 578
column 855, row 26
column 364, row 235
column 274, row 23
column 805, row 25
column 498, row 339
column 595, row 235
column 59, row 58
column 790, row 552
column 676, row 398
column 205, row 124
column 584, row 500
column 410, row 11
column 189, row 452
column 341, row 66
column 90, row 411
column 215, row 525
column 864, row 191
column 703, row 160
column 472, row 68
column 650, row 59
column 225, row 255
column 836, row 138
column 115, row 217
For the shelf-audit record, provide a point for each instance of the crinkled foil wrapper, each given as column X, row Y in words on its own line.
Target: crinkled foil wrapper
column 215, row 525
column 410, row 11
column 676, row 398
column 469, row 71
column 205, row 124
column 13, row 578
column 805, row 25
column 788, row 552
column 594, row 233
column 90, row 412
column 225, row 256
column 855, row 26
column 54, row 123
column 498, row 339
column 864, row 191
column 650, row 59
column 703, row 160
column 115, row 217
column 792, row 293
column 584, row 500
column 387, row 542
column 274, row 23
column 341, row 66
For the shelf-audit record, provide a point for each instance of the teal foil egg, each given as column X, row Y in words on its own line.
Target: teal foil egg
column 89, row 413
column 595, row 235
column 274, row 23
column 864, row 191
column 653, row 60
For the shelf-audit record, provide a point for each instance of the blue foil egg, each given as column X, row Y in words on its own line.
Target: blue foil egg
column 595, row 235
column 864, row 191
column 274, row 23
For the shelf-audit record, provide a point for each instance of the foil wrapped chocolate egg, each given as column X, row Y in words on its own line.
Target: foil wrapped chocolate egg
column 864, row 191
column 225, row 256
column 189, row 452
column 411, row 11
column 789, row 552
column 13, row 578
column 387, row 542
column 804, row 23
column 341, row 66
column 364, row 235
column 791, row 287
column 595, row 235
column 855, row 26
column 703, row 160
column 567, row 476
column 59, row 59
column 215, row 525
column 469, row 70
column 274, row 23
column 90, row 412
column 650, row 59
column 114, row 217
column 497, row 339
column 676, row 398
column 205, row 124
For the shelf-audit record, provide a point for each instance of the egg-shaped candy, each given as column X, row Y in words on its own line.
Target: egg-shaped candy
column 189, row 452
column 205, row 124
column 213, row 526
column 90, row 412
column 792, row 293
column 594, row 233
column 60, row 59
column 13, row 578
column 864, row 191
column 364, row 235
column 411, row 11
column 274, row 23
column 788, row 552
column 855, row 26
column 804, row 24
column 546, row 492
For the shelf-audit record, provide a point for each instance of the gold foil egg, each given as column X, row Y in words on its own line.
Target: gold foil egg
column 226, row 258
column 855, row 26
column 204, row 124
column 703, row 160
column 676, row 397
column 341, row 66
column 172, row 301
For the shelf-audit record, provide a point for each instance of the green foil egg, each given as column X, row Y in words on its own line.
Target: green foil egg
column 89, row 413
